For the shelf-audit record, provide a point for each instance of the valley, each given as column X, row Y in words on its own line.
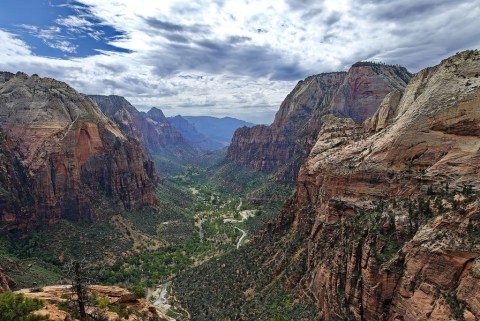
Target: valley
column 146, row 249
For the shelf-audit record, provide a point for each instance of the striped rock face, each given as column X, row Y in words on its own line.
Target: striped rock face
column 67, row 154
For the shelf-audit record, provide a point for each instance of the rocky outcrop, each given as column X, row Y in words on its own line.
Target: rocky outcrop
column 6, row 283
column 282, row 147
column 120, row 303
column 73, row 156
column 156, row 135
column 284, row 144
column 385, row 113
column 386, row 238
column 384, row 223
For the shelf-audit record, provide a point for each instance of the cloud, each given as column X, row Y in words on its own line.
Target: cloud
column 163, row 25
column 234, row 56
column 51, row 36
column 62, row 45
column 218, row 56
column 74, row 22
column 12, row 46
column 173, row 27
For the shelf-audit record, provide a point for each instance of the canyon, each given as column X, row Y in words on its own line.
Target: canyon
column 384, row 221
column 383, row 224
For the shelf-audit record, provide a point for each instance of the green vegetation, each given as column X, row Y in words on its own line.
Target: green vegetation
column 27, row 272
column 458, row 307
column 169, row 233
column 69, row 240
column 146, row 269
column 248, row 284
column 142, row 249
column 30, row 272
column 190, row 198
column 17, row 307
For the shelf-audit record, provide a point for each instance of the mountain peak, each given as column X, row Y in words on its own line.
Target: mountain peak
column 113, row 103
column 157, row 115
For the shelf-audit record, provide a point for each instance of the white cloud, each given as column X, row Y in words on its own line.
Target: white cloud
column 74, row 22
column 62, row 45
column 239, row 57
column 51, row 36
column 12, row 47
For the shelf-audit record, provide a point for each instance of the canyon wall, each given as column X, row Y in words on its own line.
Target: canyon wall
column 71, row 155
column 283, row 146
column 387, row 209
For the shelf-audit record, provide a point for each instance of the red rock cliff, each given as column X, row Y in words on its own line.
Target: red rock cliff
column 73, row 155
column 386, row 238
column 282, row 147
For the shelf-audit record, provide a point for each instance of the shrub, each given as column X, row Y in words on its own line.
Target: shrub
column 139, row 291
column 19, row 308
column 102, row 302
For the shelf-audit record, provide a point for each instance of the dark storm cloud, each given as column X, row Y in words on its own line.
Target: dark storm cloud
column 115, row 68
column 303, row 4
column 176, row 38
column 288, row 72
column 214, row 46
column 191, row 77
column 333, row 18
column 220, row 56
column 196, row 105
column 399, row 10
column 164, row 25
column 312, row 13
column 173, row 27
column 238, row 39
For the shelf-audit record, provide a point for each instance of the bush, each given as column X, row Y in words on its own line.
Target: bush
column 102, row 302
column 17, row 307
column 139, row 291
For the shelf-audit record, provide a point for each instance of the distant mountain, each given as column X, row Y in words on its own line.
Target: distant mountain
column 192, row 135
column 208, row 133
column 157, row 137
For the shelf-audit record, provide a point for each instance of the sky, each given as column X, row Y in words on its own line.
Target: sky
column 237, row 58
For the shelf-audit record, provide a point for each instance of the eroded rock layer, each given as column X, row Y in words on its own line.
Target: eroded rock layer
column 385, row 221
column 71, row 153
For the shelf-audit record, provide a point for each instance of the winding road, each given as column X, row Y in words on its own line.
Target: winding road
column 241, row 238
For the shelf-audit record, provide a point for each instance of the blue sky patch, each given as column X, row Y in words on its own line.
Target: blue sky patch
column 59, row 29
